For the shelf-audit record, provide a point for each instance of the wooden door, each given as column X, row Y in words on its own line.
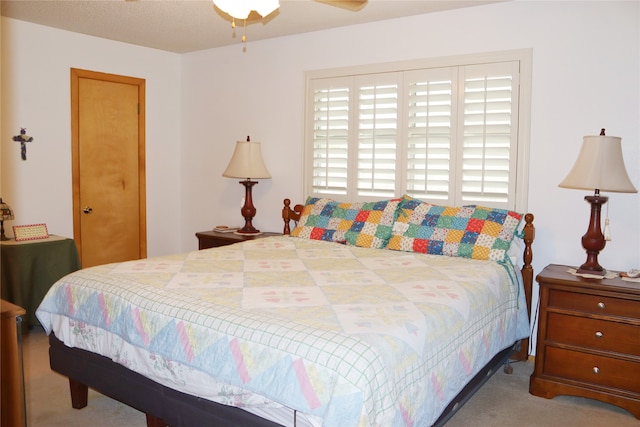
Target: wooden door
column 108, row 164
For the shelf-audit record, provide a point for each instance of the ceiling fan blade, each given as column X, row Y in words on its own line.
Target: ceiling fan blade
column 352, row 5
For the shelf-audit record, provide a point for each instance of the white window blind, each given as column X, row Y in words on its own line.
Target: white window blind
column 489, row 137
column 330, row 143
column 445, row 134
column 377, row 134
column 430, row 136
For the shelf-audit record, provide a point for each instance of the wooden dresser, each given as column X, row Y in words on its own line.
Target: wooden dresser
column 13, row 413
column 588, row 339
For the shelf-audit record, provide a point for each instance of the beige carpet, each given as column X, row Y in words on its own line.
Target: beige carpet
column 503, row 401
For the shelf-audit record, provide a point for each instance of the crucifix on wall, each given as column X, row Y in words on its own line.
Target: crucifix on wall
column 23, row 138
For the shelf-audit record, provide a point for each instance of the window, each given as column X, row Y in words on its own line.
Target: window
column 451, row 131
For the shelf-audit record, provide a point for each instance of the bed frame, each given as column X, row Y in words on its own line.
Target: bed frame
column 164, row 406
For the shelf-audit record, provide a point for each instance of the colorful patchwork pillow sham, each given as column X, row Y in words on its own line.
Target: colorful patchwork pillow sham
column 372, row 226
column 365, row 224
column 469, row 231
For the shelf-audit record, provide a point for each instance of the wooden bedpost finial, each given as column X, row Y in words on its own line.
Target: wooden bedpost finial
column 289, row 214
column 286, row 217
column 529, row 236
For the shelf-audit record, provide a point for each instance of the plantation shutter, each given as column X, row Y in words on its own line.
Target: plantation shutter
column 430, row 133
column 377, row 134
column 489, row 128
column 330, row 150
column 447, row 134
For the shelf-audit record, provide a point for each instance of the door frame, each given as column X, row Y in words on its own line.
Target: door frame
column 76, row 75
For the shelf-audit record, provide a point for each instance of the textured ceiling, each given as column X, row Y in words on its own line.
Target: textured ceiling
column 189, row 25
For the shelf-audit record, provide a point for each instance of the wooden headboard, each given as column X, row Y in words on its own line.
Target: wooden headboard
column 289, row 214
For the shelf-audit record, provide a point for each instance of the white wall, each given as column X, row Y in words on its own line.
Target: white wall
column 36, row 63
column 586, row 72
column 586, row 75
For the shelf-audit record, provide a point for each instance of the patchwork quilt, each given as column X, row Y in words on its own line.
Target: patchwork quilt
column 350, row 336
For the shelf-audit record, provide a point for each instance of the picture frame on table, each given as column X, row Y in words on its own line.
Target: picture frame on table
column 30, row 232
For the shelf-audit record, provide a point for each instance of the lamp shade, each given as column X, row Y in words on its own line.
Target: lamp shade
column 5, row 211
column 247, row 162
column 600, row 166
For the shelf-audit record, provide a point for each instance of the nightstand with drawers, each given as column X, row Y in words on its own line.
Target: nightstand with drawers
column 214, row 239
column 588, row 339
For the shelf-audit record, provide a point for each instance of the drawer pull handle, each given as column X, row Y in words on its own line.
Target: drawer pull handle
column 599, row 334
column 596, row 370
column 601, row 305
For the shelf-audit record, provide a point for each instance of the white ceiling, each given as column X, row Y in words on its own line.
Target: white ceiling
column 189, row 25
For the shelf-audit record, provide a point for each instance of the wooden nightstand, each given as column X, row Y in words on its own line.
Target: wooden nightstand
column 213, row 239
column 588, row 339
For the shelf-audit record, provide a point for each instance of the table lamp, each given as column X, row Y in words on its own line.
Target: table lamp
column 599, row 166
column 247, row 163
column 5, row 214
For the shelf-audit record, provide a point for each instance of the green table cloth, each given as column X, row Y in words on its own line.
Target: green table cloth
column 29, row 268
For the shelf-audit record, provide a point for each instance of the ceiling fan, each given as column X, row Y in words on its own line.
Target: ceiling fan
column 252, row 11
column 241, row 9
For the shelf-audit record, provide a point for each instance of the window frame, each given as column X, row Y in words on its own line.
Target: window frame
column 521, row 173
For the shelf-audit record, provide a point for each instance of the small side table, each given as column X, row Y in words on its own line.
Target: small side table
column 14, row 411
column 30, row 267
column 214, row 239
column 588, row 339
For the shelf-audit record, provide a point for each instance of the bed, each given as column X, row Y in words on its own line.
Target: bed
column 351, row 317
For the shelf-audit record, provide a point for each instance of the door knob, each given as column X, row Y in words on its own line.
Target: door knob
column 87, row 210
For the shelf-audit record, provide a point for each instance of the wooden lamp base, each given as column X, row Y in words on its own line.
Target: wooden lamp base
column 593, row 240
column 248, row 210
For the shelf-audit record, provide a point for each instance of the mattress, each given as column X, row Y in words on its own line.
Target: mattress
column 342, row 335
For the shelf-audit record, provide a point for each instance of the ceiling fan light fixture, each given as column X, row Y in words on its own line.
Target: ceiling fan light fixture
column 240, row 9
